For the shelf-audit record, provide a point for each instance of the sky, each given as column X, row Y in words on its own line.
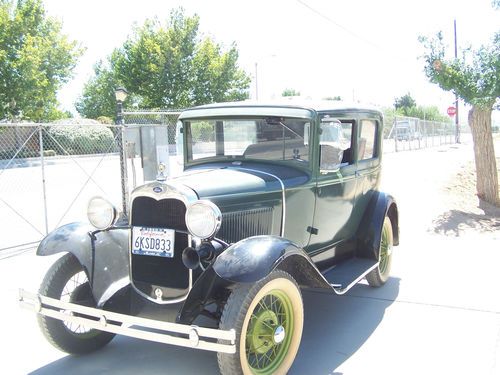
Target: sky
column 361, row 50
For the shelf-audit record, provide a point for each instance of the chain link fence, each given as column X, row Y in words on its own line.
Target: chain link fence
column 48, row 173
column 410, row 133
column 150, row 138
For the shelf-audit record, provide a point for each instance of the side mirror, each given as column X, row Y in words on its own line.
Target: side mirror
column 330, row 158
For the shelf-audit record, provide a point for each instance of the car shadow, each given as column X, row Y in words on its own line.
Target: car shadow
column 335, row 327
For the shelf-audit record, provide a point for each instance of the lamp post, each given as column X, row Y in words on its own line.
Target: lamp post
column 120, row 96
column 261, row 60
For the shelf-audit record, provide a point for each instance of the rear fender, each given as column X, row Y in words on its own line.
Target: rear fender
column 370, row 229
column 106, row 264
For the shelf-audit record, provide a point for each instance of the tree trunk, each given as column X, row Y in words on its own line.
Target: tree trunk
column 484, row 154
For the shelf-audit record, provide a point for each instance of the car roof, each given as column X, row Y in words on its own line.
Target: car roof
column 300, row 108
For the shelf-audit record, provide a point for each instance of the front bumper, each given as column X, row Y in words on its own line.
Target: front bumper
column 168, row 333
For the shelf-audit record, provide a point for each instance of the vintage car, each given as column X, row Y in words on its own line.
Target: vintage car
column 273, row 199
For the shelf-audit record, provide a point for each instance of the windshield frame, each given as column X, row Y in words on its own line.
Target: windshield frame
column 187, row 143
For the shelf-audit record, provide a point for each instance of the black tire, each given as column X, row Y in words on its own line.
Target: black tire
column 243, row 305
column 66, row 280
column 380, row 275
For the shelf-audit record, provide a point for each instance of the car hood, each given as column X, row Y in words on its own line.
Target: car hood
column 213, row 181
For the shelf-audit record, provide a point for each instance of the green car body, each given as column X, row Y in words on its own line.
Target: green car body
column 273, row 198
column 324, row 207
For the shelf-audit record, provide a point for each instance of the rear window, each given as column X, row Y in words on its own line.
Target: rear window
column 367, row 138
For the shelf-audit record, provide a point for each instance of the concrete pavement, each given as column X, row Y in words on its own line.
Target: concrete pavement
column 438, row 314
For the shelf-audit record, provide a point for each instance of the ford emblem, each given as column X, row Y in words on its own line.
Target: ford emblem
column 157, row 189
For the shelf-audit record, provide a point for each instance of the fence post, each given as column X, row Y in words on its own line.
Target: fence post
column 433, row 132
column 123, row 170
column 42, row 160
column 395, row 127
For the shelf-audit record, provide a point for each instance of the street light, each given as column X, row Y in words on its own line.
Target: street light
column 257, row 74
column 120, row 96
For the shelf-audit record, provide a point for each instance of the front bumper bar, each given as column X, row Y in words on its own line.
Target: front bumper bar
column 167, row 333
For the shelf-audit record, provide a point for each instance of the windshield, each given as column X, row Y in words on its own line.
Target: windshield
column 273, row 138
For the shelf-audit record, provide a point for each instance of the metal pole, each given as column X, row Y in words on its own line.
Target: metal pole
column 457, row 126
column 256, row 83
column 395, row 134
column 42, row 160
column 433, row 132
column 123, row 160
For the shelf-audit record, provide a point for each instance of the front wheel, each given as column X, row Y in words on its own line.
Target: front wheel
column 380, row 275
column 67, row 281
column 268, row 318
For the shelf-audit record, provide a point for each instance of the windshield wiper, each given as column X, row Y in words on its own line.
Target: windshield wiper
column 279, row 121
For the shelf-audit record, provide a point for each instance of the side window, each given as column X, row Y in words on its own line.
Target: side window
column 366, row 144
column 335, row 143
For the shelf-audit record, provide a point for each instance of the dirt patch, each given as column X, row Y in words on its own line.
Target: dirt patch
column 467, row 212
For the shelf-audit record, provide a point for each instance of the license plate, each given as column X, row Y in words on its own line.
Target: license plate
column 153, row 241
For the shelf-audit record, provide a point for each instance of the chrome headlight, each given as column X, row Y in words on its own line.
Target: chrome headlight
column 101, row 213
column 203, row 219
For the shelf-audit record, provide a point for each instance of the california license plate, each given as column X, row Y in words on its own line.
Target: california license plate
column 153, row 241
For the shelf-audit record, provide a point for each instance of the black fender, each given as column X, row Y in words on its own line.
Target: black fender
column 106, row 263
column 370, row 229
column 249, row 261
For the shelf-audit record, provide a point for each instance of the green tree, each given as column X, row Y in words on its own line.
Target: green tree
column 405, row 103
column 290, row 92
column 475, row 79
column 166, row 66
column 429, row 113
column 35, row 60
column 98, row 97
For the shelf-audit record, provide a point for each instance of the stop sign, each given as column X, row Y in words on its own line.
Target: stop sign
column 452, row 111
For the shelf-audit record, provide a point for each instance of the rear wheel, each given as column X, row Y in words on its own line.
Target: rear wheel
column 67, row 281
column 380, row 275
column 268, row 318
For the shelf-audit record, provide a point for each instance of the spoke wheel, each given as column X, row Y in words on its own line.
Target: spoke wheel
column 268, row 318
column 67, row 281
column 380, row 275
column 269, row 332
column 385, row 249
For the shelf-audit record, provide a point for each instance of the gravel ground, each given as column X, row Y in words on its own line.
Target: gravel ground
column 467, row 213
column 435, row 189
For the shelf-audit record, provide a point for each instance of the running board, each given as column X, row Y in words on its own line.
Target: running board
column 348, row 273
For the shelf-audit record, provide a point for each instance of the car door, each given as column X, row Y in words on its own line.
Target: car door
column 335, row 191
column 368, row 163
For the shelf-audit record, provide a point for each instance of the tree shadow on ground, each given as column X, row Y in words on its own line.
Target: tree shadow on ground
column 454, row 222
column 335, row 327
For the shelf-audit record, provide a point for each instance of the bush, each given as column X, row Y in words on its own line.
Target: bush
column 105, row 120
column 79, row 139
column 203, row 132
column 23, row 154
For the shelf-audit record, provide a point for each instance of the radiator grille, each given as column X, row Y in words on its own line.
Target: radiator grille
column 166, row 213
column 152, row 272
column 238, row 225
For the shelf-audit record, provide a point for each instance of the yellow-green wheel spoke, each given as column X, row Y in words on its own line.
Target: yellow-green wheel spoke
column 264, row 352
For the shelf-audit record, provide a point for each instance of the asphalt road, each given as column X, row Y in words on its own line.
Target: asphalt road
column 438, row 314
